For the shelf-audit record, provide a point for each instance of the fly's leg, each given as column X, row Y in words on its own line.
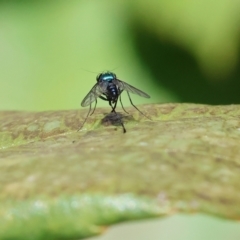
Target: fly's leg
column 124, row 129
column 122, row 104
column 90, row 108
column 113, row 106
column 136, row 107
column 103, row 98
column 113, row 110
column 94, row 107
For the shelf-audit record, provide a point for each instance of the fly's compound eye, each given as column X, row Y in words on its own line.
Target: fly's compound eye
column 99, row 76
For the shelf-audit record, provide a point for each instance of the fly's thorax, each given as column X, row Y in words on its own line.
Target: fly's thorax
column 106, row 77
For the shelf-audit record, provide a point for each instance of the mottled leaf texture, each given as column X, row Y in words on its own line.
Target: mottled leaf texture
column 57, row 183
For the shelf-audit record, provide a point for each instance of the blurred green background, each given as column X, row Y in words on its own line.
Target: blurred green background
column 177, row 51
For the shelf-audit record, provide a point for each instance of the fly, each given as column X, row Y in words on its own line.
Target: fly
column 109, row 88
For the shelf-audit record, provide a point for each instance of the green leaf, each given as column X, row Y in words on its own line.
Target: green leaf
column 57, row 183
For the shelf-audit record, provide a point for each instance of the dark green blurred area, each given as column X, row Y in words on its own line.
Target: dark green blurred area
column 185, row 51
column 177, row 70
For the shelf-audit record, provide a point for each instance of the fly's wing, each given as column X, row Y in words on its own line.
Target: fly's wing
column 125, row 86
column 94, row 93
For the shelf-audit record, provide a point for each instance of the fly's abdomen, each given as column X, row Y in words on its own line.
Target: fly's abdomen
column 112, row 91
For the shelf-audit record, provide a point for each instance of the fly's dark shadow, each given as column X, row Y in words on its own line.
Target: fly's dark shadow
column 109, row 88
column 114, row 119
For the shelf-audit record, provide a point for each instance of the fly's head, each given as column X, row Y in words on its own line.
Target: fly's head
column 106, row 77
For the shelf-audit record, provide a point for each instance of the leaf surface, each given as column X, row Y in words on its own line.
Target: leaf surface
column 57, row 183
